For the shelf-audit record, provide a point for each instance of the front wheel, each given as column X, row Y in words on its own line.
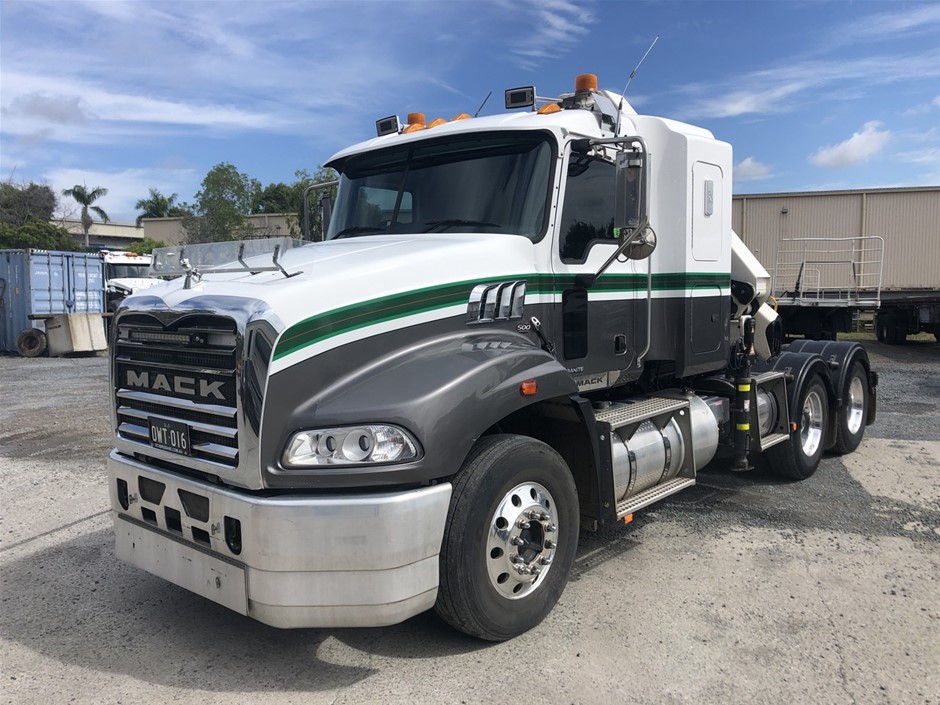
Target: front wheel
column 510, row 538
column 799, row 458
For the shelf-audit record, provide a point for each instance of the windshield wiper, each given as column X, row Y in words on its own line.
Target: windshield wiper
column 442, row 225
column 356, row 230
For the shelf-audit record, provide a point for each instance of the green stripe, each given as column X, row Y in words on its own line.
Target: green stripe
column 409, row 303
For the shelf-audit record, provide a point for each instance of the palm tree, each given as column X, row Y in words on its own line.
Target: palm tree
column 158, row 206
column 85, row 199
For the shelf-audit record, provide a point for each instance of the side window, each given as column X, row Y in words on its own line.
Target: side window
column 376, row 206
column 588, row 213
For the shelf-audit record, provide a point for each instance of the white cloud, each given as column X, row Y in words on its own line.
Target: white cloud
column 857, row 149
column 125, row 187
column 749, row 169
column 889, row 25
column 936, row 101
column 787, row 87
column 554, row 27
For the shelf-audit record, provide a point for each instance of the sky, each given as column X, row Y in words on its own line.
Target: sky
column 138, row 95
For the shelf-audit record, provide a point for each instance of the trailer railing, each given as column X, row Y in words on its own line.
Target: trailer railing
column 816, row 271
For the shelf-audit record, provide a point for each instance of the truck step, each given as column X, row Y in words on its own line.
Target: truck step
column 624, row 413
column 653, row 494
column 772, row 440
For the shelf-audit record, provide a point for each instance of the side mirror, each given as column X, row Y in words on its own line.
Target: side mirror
column 325, row 205
column 631, row 208
column 326, row 212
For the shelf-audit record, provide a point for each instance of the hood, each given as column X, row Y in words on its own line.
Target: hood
column 414, row 278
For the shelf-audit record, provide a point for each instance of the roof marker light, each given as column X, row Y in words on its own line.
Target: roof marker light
column 549, row 108
column 436, row 121
column 585, row 83
column 415, row 122
column 461, row 116
column 387, row 126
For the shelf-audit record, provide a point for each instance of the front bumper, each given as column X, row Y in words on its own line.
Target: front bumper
column 304, row 561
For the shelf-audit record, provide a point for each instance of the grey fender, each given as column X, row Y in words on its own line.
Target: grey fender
column 800, row 366
column 447, row 388
column 839, row 357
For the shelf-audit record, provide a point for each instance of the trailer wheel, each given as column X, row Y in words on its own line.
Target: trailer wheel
column 510, row 538
column 31, row 342
column 798, row 458
column 890, row 329
column 853, row 417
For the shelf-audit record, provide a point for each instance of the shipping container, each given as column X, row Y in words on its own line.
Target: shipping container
column 42, row 283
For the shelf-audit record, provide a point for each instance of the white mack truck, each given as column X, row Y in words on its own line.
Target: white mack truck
column 517, row 327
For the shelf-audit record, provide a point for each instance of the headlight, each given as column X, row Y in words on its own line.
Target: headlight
column 350, row 445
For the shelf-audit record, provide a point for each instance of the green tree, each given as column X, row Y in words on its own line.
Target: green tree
column 276, row 198
column 24, row 203
column 36, row 234
column 86, row 199
column 226, row 197
column 159, row 206
column 145, row 246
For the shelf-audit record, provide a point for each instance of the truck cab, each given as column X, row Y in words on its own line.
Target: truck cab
column 516, row 326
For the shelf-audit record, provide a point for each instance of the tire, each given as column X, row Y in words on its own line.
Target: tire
column 483, row 592
column 31, row 342
column 881, row 329
column 799, row 457
column 854, row 415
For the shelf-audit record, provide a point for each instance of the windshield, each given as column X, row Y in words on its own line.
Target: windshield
column 128, row 271
column 490, row 183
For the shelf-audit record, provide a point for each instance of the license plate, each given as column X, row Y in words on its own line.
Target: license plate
column 169, row 435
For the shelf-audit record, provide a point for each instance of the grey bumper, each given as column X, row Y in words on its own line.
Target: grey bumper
column 304, row 561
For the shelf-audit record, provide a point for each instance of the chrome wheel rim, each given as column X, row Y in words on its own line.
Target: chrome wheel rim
column 855, row 405
column 811, row 430
column 521, row 540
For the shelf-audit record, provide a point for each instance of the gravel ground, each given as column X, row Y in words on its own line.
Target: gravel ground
column 742, row 589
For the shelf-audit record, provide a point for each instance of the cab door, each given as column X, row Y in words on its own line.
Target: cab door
column 599, row 326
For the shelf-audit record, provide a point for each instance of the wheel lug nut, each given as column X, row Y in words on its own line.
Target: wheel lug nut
column 516, row 558
column 519, row 541
column 551, row 528
column 549, row 543
column 536, row 572
column 545, row 516
column 545, row 561
column 522, row 524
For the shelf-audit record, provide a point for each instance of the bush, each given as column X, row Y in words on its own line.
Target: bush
column 37, row 235
column 145, row 246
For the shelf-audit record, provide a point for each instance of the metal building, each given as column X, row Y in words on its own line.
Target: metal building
column 907, row 218
column 832, row 253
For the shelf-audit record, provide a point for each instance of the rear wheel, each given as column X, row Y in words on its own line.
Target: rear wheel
column 31, row 342
column 510, row 538
column 854, row 414
column 799, row 457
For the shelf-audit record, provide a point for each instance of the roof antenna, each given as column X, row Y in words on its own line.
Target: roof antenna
column 484, row 103
column 632, row 76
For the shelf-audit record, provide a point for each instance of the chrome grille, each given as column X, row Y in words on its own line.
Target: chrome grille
column 185, row 372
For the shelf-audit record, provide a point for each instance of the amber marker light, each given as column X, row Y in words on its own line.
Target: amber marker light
column 415, row 122
column 436, row 122
column 627, row 519
column 462, row 116
column 585, row 83
column 529, row 388
column 549, row 108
